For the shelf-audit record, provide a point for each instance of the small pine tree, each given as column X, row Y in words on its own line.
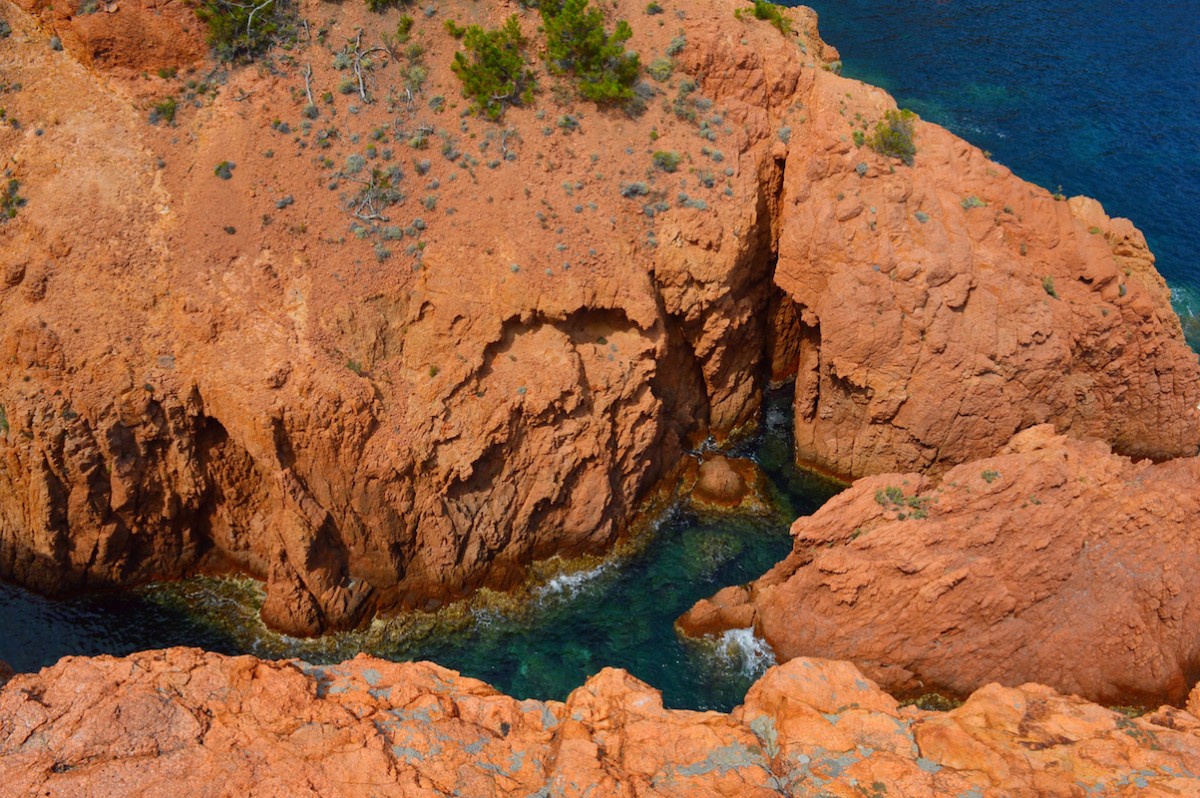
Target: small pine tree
column 577, row 43
column 495, row 73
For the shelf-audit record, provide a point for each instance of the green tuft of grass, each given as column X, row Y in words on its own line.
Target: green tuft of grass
column 667, row 161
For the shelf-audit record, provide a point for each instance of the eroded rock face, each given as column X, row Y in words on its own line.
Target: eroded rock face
column 204, row 366
column 209, row 725
column 125, row 36
column 1055, row 561
column 947, row 306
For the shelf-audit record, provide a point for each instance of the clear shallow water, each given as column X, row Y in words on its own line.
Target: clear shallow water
column 620, row 613
column 1102, row 99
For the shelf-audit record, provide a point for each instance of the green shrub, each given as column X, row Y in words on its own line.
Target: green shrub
column 906, row 507
column 660, row 69
column 242, row 32
column 379, row 6
column 10, row 200
column 164, row 111
column 224, row 170
column 1048, row 286
column 972, row 202
column 893, row 136
column 667, row 161
column 653, row 8
column 454, row 29
column 768, row 11
column 578, row 43
column 493, row 69
column 377, row 192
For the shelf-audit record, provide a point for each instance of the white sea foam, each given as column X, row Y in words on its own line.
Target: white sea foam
column 570, row 585
column 776, row 418
column 745, row 651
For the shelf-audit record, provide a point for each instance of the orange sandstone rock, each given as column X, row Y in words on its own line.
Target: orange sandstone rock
column 199, row 372
column 208, row 725
column 127, row 37
column 947, row 306
column 1055, row 561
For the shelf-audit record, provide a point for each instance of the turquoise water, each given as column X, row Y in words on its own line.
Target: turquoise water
column 619, row 613
column 1102, row 99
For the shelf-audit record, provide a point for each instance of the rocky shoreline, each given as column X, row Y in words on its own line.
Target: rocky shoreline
column 212, row 360
column 368, row 429
column 209, row 725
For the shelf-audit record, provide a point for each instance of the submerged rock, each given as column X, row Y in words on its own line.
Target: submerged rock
column 1056, row 561
column 720, row 483
column 200, row 724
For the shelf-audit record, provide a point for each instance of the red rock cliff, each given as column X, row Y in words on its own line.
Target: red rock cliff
column 208, row 372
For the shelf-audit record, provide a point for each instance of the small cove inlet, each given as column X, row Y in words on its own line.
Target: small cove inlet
column 620, row 613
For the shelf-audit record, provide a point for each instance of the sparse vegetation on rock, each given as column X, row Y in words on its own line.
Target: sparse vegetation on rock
column 667, row 161
column 379, row 6
column 767, row 11
column 10, row 200
column 164, row 111
column 377, row 192
column 240, row 32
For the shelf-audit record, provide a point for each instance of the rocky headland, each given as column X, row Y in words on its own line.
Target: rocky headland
column 1055, row 561
column 226, row 368
column 315, row 320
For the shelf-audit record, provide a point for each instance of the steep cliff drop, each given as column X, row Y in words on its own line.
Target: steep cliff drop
column 210, row 362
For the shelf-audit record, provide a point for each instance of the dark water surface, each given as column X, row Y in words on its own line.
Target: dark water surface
column 1101, row 98
column 620, row 613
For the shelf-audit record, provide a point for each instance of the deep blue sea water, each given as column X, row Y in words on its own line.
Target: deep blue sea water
column 1101, row 98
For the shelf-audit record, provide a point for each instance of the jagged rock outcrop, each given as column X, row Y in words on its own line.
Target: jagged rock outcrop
column 1055, row 561
column 210, row 362
column 200, row 724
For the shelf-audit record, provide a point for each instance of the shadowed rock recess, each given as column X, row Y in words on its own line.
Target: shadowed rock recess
column 311, row 320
